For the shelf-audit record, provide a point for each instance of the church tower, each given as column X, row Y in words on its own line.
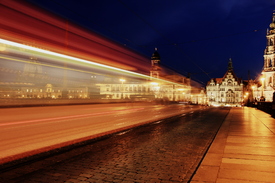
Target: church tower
column 230, row 65
column 155, row 68
column 268, row 73
column 269, row 53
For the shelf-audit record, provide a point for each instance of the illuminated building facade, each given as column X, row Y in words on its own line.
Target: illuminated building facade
column 227, row 90
column 268, row 74
column 47, row 91
column 30, row 76
column 152, row 89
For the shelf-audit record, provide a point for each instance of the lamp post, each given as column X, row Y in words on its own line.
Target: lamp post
column 247, row 98
column 252, row 94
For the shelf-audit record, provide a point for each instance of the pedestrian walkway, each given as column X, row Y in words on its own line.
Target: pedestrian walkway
column 243, row 150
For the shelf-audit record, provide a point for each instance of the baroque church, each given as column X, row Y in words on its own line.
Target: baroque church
column 225, row 91
column 268, row 73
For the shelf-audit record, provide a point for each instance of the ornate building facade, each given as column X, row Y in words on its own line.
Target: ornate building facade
column 268, row 74
column 227, row 90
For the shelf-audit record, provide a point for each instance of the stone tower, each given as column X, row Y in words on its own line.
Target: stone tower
column 155, row 68
column 269, row 54
column 268, row 73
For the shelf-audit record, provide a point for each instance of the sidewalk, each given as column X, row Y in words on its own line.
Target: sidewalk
column 243, row 150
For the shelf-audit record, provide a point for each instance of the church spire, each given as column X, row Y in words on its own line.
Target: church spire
column 269, row 61
column 155, row 69
column 155, row 59
column 272, row 25
column 230, row 65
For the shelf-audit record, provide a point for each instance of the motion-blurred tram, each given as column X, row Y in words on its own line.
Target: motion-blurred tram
column 47, row 60
column 24, row 23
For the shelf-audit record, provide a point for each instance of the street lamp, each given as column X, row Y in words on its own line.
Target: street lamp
column 252, row 95
column 154, row 83
column 246, row 98
column 122, row 80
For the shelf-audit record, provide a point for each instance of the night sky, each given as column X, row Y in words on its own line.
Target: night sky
column 192, row 36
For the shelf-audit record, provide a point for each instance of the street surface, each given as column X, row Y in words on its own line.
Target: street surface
column 31, row 130
column 163, row 151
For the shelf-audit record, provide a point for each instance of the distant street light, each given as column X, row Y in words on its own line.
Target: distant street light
column 153, row 83
column 122, row 80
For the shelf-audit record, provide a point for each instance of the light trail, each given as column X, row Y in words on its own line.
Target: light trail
column 69, row 57
column 90, row 63
column 47, row 65
column 68, row 117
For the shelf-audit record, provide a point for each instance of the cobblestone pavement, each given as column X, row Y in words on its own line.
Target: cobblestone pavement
column 164, row 151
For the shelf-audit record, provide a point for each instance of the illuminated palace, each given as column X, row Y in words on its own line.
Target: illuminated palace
column 227, row 90
column 154, row 88
column 267, row 87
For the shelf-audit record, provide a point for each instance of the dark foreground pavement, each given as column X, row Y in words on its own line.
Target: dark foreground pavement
column 164, row 151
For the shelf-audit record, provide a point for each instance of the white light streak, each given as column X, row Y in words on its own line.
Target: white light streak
column 80, row 60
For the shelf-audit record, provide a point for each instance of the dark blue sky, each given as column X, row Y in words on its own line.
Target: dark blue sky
column 192, row 36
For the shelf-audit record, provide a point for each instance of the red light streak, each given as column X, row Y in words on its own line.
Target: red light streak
column 68, row 117
column 23, row 23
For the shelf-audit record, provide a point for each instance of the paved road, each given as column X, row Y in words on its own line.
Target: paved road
column 32, row 130
column 164, row 151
